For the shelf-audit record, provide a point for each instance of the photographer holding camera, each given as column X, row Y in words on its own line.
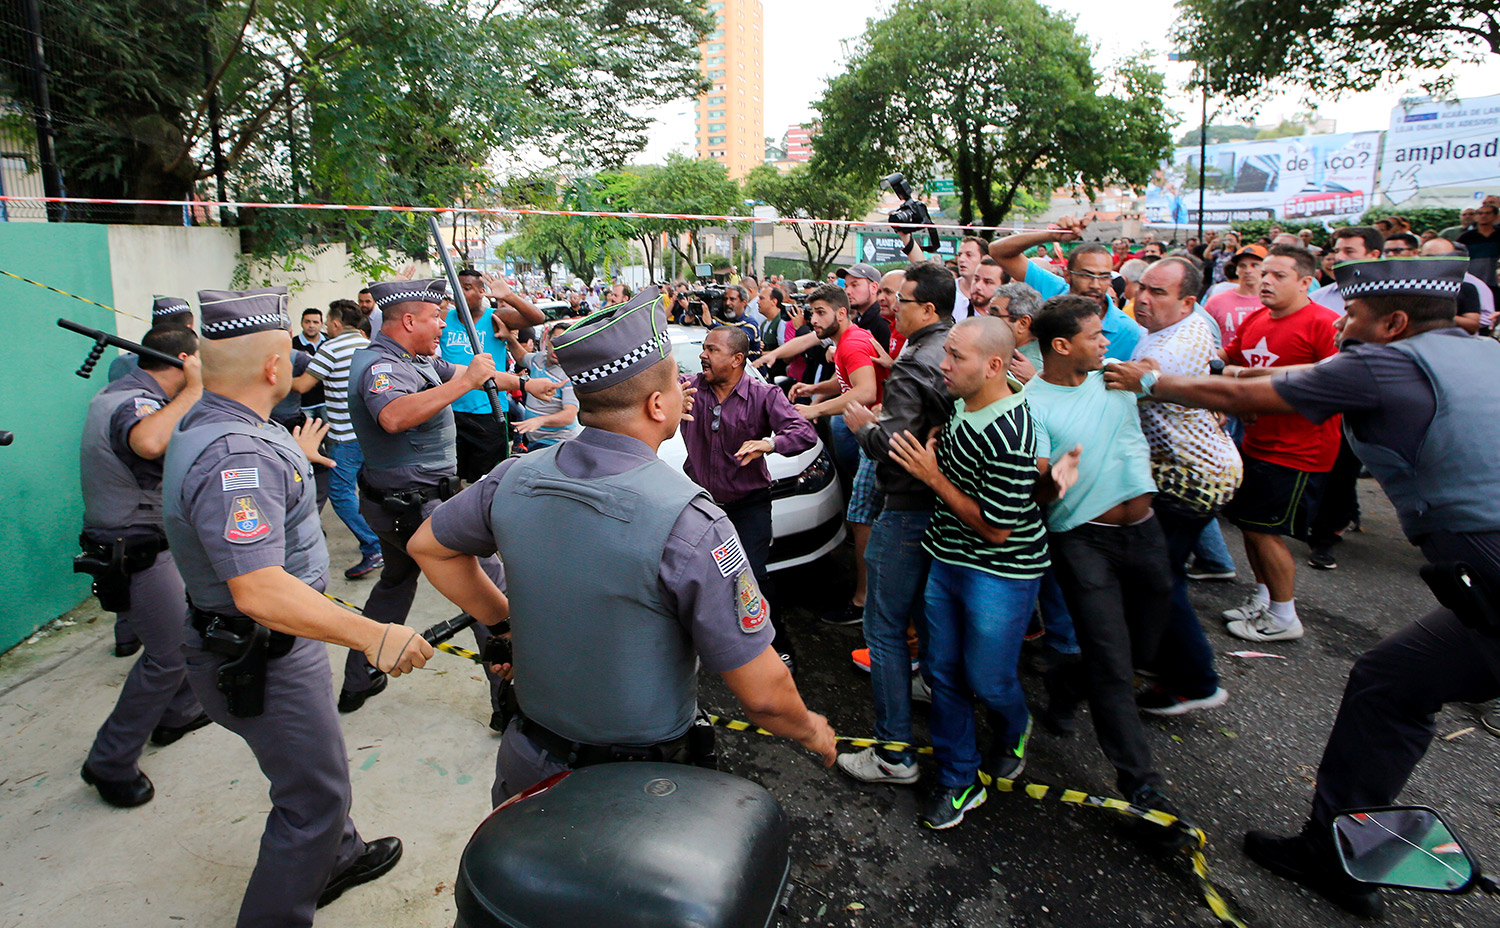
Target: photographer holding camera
column 906, row 221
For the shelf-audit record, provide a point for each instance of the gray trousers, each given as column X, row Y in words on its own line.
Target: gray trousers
column 156, row 691
column 519, row 763
column 390, row 601
column 299, row 745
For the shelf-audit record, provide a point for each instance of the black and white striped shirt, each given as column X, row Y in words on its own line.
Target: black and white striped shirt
column 990, row 454
column 331, row 366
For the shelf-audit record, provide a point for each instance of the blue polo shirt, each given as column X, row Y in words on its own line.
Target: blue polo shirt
column 1122, row 331
column 456, row 350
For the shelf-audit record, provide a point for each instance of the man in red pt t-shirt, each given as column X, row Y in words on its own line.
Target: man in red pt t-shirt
column 1287, row 458
column 858, row 376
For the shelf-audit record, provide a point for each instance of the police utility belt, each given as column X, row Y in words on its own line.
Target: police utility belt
column 406, row 505
column 249, row 645
column 1469, row 594
column 111, row 563
column 694, row 747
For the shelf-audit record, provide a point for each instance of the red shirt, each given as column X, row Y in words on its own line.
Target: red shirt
column 1304, row 337
column 1230, row 309
column 856, row 349
column 898, row 341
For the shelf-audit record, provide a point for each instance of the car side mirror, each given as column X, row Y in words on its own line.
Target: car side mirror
column 1406, row 847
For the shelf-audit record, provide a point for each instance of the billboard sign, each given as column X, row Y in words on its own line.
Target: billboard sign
column 1442, row 153
column 885, row 247
column 1295, row 178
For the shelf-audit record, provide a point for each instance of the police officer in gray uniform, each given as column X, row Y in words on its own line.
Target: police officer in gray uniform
column 400, row 396
column 238, row 502
column 1411, row 387
column 165, row 310
column 124, row 438
column 607, row 648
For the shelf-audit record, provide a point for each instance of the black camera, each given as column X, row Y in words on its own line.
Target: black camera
column 912, row 213
column 712, row 296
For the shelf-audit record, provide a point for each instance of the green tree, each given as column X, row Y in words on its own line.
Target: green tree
column 1218, row 135
column 1001, row 93
column 367, row 101
column 687, row 186
column 1331, row 46
column 807, row 192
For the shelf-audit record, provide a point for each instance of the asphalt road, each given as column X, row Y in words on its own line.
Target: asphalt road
column 861, row 858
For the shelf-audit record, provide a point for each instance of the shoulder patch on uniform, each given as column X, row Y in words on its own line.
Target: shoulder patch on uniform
column 380, row 368
column 243, row 478
column 145, row 406
column 730, row 556
column 751, row 605
column 246, row 523
column 382, row 382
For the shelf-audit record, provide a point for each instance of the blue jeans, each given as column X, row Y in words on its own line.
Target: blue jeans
column 976, row 622
column 344, row 494
column 1210, row 553
column 897, row 568
column 1184, row 661
column 1058, row 633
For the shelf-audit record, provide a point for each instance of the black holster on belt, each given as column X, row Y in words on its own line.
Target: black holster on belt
column 690, row 748
column 1466, row 593
column 111, row 564
column 249, row 646
column 405, row 506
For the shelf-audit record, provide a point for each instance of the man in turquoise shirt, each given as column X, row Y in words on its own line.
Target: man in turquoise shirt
column 1107, row 547
column 1090, row 269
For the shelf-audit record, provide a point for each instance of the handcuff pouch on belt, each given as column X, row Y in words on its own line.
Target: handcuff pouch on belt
column 1467, row 593
column 111, row 564
column 695, row 747
column 405, row 506
column 249, row 646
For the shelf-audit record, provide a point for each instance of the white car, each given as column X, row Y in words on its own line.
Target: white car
column 807, row 505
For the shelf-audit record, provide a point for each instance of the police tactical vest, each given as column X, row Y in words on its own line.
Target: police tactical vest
column 599, row 658
column 1450, row 486
column 430, row 447
column 112, row 499
column 306, row 556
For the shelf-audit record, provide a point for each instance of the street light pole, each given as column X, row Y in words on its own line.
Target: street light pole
column 1202, row 148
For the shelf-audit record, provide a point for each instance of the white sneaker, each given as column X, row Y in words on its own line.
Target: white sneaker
column 1264, row 628
column 1249, row 611
column 867, row 767
column 920, row 691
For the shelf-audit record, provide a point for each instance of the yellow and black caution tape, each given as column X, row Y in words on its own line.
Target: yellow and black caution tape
column 737, row 725
column 453, row 649
column 1041, row 791
column 75, row 296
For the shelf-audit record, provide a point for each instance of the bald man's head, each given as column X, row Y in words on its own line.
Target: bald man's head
column 249, row 367
column 975, row 358
column 890, row 292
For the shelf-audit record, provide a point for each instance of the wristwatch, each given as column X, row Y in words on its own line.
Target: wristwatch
column 1148, row 380
column 524, row 378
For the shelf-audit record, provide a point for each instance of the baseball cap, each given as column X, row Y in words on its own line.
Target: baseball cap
column 864, row 271
column 1258, row 251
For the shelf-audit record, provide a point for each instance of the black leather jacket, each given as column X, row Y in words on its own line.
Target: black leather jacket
column 914, row 400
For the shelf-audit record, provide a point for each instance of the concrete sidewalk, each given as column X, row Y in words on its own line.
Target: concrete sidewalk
column 421, row 757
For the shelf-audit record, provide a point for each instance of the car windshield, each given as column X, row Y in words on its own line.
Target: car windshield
column 685, row 353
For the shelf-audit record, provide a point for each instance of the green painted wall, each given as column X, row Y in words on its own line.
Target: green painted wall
column 43, row 403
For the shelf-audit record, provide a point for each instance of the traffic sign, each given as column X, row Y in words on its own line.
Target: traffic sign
column 942, row 185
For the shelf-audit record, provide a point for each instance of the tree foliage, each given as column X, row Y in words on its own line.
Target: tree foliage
column 364, row 101
column 1331, row 46
column 807, row 191
column 1001, row 93
column 685, row 185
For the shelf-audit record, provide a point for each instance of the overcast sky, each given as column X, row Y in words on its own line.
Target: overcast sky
column 807, row 39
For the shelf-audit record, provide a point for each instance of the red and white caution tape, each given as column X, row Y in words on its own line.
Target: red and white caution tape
column 482, row 211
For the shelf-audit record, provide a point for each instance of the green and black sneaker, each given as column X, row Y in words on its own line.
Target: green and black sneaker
column 1005, row 763
column 949, row 803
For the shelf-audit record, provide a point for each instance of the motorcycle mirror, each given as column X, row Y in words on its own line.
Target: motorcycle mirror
column 1406, row 847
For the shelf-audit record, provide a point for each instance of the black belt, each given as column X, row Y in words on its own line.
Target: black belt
column 576, row 754
column 207, row 624
column 413, row 497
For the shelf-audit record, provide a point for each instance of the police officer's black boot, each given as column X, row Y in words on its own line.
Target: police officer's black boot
column 1309, row 858
column 122, row 794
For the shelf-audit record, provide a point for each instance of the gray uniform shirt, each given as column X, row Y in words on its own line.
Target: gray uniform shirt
column 238, row 499
column 395, row 375
column 126, row 416
column 693, row 581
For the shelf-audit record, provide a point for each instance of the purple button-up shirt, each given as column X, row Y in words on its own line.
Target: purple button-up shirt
column 753, row 410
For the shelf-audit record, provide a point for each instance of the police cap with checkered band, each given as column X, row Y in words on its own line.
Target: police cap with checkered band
column 615, row 343
column 1435, row 277
column 390, row 293
column 232, row 313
